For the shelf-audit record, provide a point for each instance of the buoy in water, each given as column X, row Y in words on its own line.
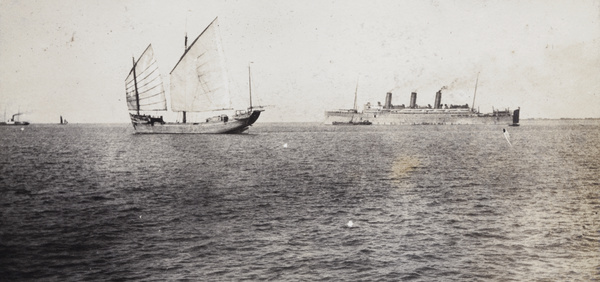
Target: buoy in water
column 506, row 136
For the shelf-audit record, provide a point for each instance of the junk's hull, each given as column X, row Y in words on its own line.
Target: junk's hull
column 413, row 117
column 237, row 124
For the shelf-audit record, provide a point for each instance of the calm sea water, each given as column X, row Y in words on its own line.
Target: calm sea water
column 428, row 203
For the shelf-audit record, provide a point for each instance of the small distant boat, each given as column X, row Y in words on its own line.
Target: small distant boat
column 363, row 122
column 13, row 121
column 63, row 121
column 353, row 111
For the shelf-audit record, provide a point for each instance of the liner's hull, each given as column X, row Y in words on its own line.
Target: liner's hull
column 418, row 117
column 237, row 124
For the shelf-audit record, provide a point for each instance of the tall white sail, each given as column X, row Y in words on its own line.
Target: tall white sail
column 199, row 81
column 143, row 86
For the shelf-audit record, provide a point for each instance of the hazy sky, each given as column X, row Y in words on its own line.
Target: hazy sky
column 71, row 58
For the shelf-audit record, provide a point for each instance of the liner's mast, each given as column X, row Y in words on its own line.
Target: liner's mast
column 475, row 93
column 355, row 94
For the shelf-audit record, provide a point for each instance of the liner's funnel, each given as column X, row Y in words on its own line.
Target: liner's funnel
column 413, row 100
column 388, row 101
column 438, row 100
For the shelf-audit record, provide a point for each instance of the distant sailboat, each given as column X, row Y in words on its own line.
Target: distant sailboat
column 198, row 84
column 63, row 121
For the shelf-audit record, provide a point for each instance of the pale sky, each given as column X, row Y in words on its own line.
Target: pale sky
column 71, row 58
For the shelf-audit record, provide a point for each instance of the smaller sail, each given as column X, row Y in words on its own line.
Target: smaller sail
column 144, row 86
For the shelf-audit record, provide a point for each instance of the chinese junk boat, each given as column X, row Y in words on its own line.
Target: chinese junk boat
column 198, row 85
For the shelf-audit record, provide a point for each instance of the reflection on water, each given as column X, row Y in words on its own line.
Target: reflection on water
column 403, row 165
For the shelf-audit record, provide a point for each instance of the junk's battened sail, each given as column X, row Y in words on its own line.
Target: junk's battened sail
column 144, row 86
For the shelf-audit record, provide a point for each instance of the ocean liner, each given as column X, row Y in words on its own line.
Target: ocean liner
column 414, row 114
column 198, row 87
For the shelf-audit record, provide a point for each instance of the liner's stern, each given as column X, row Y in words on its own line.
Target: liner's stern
column 516, row 117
